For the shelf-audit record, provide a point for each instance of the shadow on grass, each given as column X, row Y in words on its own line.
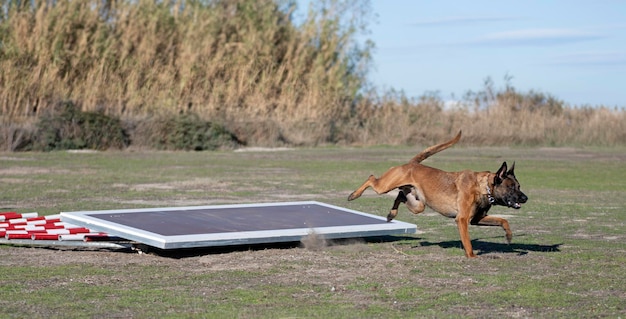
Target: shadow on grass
column 482, row 247
column 316, row 244
column 200, row 251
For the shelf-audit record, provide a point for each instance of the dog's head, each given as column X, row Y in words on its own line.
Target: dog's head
column 506, row 189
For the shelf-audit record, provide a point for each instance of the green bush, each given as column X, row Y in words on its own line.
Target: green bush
column 67, row 127
column 184, row 132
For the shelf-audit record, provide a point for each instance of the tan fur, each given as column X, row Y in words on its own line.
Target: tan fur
column 464, row 196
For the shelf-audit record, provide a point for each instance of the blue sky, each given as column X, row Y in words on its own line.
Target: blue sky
column 573, row 50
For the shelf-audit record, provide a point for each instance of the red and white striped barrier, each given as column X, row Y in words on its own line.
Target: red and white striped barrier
column 50, row 227
column 14, row 215
column 44, row 236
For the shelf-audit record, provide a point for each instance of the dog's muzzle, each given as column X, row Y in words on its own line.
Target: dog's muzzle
column 518, row 203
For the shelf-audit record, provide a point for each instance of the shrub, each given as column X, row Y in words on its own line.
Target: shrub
column 183, row 132
column 67, row 127
column 16, row 136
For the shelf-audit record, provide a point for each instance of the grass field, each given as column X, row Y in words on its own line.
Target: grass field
column 567, row 258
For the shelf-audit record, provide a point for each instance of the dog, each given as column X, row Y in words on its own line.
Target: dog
column 465, row 196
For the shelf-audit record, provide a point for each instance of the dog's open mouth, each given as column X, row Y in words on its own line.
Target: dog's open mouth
column 515, row 205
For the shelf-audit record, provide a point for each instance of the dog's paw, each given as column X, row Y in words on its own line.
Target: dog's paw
column 509, row 237
column 353, row 196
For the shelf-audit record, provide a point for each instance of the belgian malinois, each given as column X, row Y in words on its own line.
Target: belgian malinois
column 465, row 196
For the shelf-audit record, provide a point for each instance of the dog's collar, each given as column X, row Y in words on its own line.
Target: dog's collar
column 486, row 181
column 490, row 197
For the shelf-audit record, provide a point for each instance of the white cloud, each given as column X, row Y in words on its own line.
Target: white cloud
column 450, row 21
column 536, row 37
column 594, row 58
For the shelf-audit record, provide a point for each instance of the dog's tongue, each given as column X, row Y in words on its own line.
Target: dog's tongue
column 517, row 205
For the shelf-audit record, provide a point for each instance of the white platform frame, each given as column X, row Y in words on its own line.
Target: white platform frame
column 89, row 219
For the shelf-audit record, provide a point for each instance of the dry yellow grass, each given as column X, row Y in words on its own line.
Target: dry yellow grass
column 248, row 66
column 224, row 58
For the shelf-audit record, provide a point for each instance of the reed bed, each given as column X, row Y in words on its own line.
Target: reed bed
column 249, row 67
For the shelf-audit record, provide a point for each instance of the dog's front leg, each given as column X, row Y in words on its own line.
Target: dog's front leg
column 462, row 222
column 494, row 221
column 463, row 225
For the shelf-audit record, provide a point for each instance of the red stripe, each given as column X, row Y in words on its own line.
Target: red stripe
column 14, row 227
column 10, row 215
column 26, row 226
column 18, row 231
column 30, row 219
column 36, row 231
column 53, row 226
column 44, row 237
column 52, row 221
column 79, row 230
column 18, row 236
column 97, row 237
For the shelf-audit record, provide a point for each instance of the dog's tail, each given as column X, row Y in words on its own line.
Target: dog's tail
column 435, row 149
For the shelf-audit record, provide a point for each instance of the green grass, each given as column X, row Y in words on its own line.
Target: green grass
column 566, row 259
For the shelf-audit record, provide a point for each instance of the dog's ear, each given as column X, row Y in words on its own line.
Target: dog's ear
column 511, row 171
column 500, row 174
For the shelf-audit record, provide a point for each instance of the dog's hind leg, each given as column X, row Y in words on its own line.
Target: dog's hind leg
column 359, row 191
column 396, row 203
column 486, row 220
column 413, row 203
column 392, row 179
column 407, row 196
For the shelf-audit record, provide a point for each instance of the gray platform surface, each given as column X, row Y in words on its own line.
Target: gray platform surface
column 223, row 225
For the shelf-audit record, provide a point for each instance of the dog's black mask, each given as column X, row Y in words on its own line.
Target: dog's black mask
column 506, row 190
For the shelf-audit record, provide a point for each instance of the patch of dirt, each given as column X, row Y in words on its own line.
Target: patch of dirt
column 142, row 187
column 13, row 180
column 570, row 153
column 263, row 149
column 30, row 171
column 10, row 158
column 313, row 256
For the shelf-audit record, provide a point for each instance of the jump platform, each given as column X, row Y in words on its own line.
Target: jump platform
column 229, row 225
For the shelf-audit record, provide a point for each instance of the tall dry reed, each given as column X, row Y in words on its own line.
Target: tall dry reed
column 249, row 66
column 231, row 59
column 489, row 117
